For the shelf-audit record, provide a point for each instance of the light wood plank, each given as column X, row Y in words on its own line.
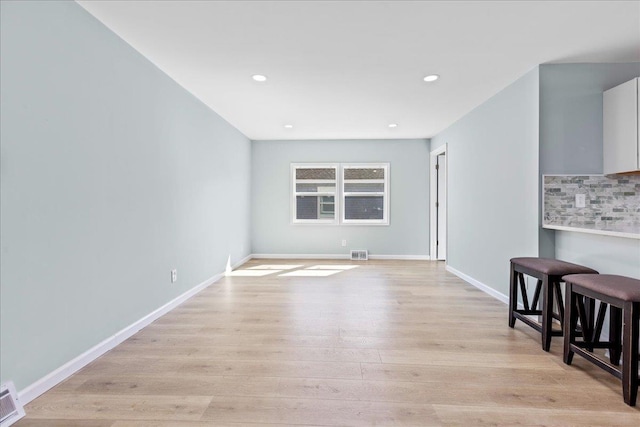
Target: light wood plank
column 485, row 416
column 273, row 369
column 91, row 406
column 174, row 385
column 48, row 422
column 468, row 359
column 253, row 352
column 320, row 412
column 138, row 423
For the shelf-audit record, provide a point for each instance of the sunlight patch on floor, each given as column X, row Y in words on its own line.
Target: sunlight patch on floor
column 253, row 273
column 296, row 270
column 311, row 273
column 275, row 267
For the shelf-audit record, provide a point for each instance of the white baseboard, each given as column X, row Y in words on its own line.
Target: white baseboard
column 486, row 289
column 65, row 371
column 300, row 256
column 402, row 257
column 338, row 256
column 242, row 261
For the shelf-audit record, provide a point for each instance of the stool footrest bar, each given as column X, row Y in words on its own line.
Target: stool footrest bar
column 617, row 372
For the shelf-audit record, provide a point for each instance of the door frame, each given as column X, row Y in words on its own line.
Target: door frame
column 433, row 189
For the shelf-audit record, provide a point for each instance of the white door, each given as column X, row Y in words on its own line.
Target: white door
column 441, row 207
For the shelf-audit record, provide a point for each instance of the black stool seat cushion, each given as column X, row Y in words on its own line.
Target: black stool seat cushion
column 552, row 267
column 620, row 287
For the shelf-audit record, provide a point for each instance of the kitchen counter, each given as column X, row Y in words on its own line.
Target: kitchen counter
column 627, row 232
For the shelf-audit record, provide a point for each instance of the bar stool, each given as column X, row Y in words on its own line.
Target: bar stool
column 622, row 294
column 549, row 273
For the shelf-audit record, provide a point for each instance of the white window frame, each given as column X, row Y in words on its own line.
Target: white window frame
column 385, row 194
column 335, row 194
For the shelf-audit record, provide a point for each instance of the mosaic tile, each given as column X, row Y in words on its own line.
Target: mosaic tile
column 612, row 203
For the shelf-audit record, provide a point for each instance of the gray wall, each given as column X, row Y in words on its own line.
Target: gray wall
column 493, row 183
column 571, row 143
column 608, row 255
column 111, row 175
column 571, row 114
column 408, row 232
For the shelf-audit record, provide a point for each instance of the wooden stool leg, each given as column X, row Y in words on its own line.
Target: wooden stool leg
column 547, row 313
column 615, row 325
column 570, row 323
column 630, row 352
column 556, row 286
column 590, row 304
column 597, row 330
column 585, row 323
column 513, row 296
column 523, row 292
column 536, row 295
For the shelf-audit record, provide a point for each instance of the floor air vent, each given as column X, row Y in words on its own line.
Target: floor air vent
column 359, row 255
column 10, row 408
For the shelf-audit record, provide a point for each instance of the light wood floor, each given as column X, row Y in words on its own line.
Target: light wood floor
column 385, row 343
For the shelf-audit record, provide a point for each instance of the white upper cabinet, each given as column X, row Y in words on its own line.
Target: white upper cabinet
column 621, row 109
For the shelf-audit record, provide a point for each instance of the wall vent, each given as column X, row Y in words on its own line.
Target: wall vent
column 10, row 408
column 359, row 255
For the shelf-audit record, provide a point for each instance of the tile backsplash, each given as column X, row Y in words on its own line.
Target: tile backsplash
column 611, row 203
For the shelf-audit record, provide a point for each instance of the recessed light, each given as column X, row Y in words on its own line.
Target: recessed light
column 393, row 125
column 431, row 78
column 288, row 126
column 259, row 78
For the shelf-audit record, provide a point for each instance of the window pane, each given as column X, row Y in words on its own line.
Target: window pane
column 364, row 187
column 315, row 207
column 326, row 173
column 327, row 207
column 315, row 188
column 364, row 173
column 368, row 207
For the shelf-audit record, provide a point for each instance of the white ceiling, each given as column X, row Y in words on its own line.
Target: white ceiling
column 343, row 70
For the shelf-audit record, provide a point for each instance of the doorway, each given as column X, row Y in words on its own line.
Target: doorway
column 438, row 203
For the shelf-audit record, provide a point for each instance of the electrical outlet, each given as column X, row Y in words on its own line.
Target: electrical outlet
column 581, row 200
column 174, row 276
column 344, row 242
